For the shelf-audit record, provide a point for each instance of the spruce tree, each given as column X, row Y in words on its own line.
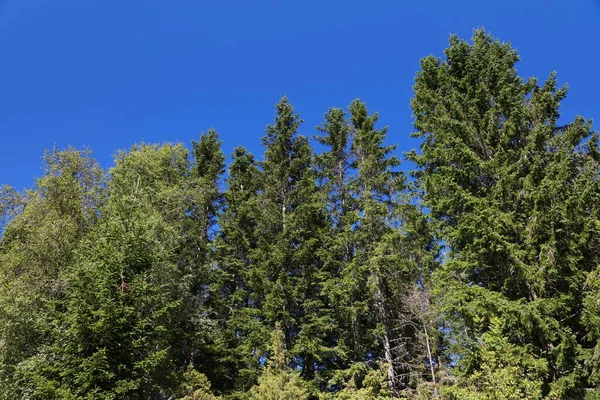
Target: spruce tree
column 278, row 380
column 288, row 277
column 204, row 201
column 513, row 196
column 209, row 165
column 378, row 255
column 242, row 338
column 336, row 176
column 390, row 253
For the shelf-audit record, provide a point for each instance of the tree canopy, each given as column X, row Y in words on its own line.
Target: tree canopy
column 323, row 269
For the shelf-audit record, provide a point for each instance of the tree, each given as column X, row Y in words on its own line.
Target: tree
column 512, row 196
column 44, row 228
column 349, row 341
column 209, row 165
column 506, row 371
column 12, row 204
column 363, row 383
column 204, row 203
column 122, row 333
column 377, row 252
column 288, row 274
column 278, row 381
column 390, row 253
column 196, row 386
column 241, row 342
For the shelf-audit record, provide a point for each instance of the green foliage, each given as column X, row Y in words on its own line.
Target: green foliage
column 477, row 278
column 278, row 381
column 506, row 371
column 196, row 386
column 513, row 196
column 360, row 382
column 120, row 322
column 288, row 274
column 45, row 226
column 376, row 251
column 241, row 342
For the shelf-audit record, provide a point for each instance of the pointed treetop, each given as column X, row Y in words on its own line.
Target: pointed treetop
column 210, row 160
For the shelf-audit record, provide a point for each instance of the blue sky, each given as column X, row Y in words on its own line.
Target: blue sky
column 107, row 74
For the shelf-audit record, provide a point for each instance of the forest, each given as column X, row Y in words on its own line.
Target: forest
column 321, row 269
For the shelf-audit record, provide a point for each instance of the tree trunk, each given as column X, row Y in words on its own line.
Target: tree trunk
column 387, row 346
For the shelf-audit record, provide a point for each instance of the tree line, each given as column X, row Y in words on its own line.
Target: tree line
column 320, row 274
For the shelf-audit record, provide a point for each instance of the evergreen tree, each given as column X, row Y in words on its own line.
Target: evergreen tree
column 242, row 334
column 389, row 257
column 372, row 384
column 204, row 202
column 196, row 386
column 506, row 371
column 336, row 178
column 209, row 165
column 288, row 276
column 591, row 323
column 378, row 253
column 278, row 381
column 513, row 197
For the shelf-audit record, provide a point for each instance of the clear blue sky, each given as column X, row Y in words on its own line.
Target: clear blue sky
column 107, row 74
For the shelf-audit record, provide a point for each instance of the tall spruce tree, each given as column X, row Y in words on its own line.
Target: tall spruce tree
column 514, row 197
column 288, row 274
column 204, row 201
column 209, row 166
column 242, row 339
column 378, row 255
column 390, row 253
column 336, row 176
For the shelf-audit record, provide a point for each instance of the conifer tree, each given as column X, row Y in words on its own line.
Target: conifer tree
column 242, row 334
column 204, row 201
column 387, row 256
column 336, row 177
column 209, row 165
column 378, row 253
column 513, row 196
column 288, row 274
column 373, row 384
column 278, row 381
column 196, row 386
